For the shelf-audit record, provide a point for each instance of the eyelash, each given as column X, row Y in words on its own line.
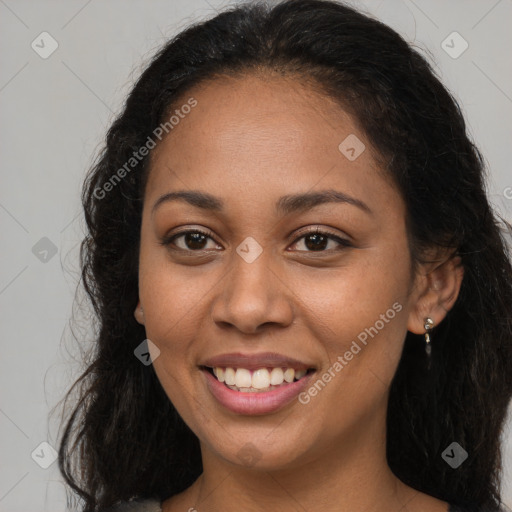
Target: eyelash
column 169, row 241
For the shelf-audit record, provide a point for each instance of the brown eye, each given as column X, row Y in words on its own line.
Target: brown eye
column 318, row 241
column 193, row 240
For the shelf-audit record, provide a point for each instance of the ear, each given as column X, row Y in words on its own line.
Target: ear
column 436, row 289
column 139, row 314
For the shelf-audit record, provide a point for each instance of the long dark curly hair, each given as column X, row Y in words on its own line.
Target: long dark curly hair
column 123, row 437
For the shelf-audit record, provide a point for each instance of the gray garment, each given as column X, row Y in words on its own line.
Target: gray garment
column 156, row 506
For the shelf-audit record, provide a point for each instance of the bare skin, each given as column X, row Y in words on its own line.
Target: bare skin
column 248, row 142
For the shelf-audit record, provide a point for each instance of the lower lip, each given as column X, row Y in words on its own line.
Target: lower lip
column 255, row 403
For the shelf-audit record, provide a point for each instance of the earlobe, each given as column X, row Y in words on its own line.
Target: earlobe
column 139, row 314
column 436, row 293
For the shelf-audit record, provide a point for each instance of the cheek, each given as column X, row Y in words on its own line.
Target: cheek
column 172, row 294
column 353, row 297
column 362, row 325
column 169, row 305
column 174, row 304
column 359, row 313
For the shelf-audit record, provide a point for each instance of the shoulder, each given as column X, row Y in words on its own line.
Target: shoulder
column 146, row 505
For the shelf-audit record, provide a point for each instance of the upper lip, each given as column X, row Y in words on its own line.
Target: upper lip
column 255, row 361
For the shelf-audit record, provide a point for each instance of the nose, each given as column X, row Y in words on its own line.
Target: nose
column 253, row 296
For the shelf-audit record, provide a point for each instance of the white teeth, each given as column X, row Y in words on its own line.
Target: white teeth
column 242, row 379
column 289, row 374
column 261, row 379
column 276, row 376
column 229, row 376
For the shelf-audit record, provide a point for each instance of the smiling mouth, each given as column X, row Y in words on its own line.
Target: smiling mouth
column 256, row 381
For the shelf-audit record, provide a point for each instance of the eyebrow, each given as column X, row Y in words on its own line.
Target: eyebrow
column 285, row 205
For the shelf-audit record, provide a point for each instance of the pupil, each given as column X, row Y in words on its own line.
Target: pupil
column 314, row 242
column 316, row 245
column 191, row 239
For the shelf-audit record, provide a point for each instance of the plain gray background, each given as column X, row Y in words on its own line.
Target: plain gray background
column 54, row 114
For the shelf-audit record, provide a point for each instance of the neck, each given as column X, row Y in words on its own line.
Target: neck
column 349, row 475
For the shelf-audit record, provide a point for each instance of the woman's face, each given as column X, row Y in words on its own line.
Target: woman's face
column 262, row 282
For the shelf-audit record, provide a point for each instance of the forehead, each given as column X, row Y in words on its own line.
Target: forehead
column 260, row 135
column 261, row 112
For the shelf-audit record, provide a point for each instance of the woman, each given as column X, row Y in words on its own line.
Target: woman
column 303, row 295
